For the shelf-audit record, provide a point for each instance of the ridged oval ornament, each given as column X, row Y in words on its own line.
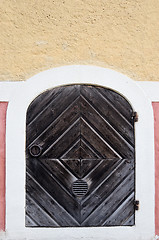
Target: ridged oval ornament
column 79, row 188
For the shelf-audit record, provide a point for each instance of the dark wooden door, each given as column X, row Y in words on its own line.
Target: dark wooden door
column 80, row 158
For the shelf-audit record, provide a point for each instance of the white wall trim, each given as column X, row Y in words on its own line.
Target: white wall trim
column 7, row 89
column 151, row 90
column 20, row 98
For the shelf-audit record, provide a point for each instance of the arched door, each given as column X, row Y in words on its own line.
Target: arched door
column 80, row 158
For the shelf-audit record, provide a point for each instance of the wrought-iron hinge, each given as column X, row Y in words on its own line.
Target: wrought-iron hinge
column 136, row 204
column 135, row 117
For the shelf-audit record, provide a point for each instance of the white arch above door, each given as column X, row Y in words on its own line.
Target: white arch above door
column 20, row 98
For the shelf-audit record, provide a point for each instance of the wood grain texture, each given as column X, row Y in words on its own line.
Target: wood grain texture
column 84, row 132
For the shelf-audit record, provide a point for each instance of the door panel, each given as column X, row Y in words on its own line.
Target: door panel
column 80, row 159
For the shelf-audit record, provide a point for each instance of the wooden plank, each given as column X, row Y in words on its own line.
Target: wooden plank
column 89, row 152
column 51, row 112
column 65, row 141
column 45, row 99
column 60, row 172
column 58, row 126
column 73, row 152
column 80, row 168
column 41, row 217
column 74, row 166
column 30, row 222
column 88, row 165
column 108, row 111
column 105, row 189
column 130, row 221
column 111, row 203
column 99, row 144
column 49, row 204
column 105, row 130
column 122, row 214
column 100, row 173
column 53, row 187
column 119, row 102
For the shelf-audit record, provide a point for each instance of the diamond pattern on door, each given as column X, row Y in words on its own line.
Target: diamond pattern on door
column 80, row 158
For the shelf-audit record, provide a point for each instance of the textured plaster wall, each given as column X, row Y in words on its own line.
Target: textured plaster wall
column 36, row 35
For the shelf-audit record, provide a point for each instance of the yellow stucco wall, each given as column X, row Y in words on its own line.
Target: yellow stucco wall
column 36, row 35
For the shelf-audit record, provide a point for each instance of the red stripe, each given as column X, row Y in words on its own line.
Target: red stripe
column 156, row 133
column 3, row 109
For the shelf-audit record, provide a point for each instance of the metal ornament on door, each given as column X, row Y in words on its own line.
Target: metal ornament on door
column 80, row 158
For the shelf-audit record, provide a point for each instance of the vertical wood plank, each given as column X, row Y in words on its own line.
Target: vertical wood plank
column 3, row 110
column 156, row 135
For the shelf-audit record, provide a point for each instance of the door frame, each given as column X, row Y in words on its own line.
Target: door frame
column 19, row 100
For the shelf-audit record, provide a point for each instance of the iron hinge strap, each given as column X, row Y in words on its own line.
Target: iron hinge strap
column 135, row 117
column 136, row 204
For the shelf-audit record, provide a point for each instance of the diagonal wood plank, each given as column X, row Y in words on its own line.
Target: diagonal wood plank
column 124, row 212
column 61, row 144
column 58, row 192
column 29, row 221
column 106, row 187
column 107, row 205
column 58, row 125
column 108, row 111
column 105, row 130
column 60, row 172
column 52, row 111
column 40, row 216
column 81, row 167
column 45, row 99
column 121, row 104
column 90, row 134
column 130, row 221
column 73, row 152
column 35, row 191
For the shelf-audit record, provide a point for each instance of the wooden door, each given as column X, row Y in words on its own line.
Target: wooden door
column 80, row 158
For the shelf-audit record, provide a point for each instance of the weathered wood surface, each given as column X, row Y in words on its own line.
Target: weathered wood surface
column 84, row 132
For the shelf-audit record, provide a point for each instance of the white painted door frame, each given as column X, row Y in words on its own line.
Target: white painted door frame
column 20, row 96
